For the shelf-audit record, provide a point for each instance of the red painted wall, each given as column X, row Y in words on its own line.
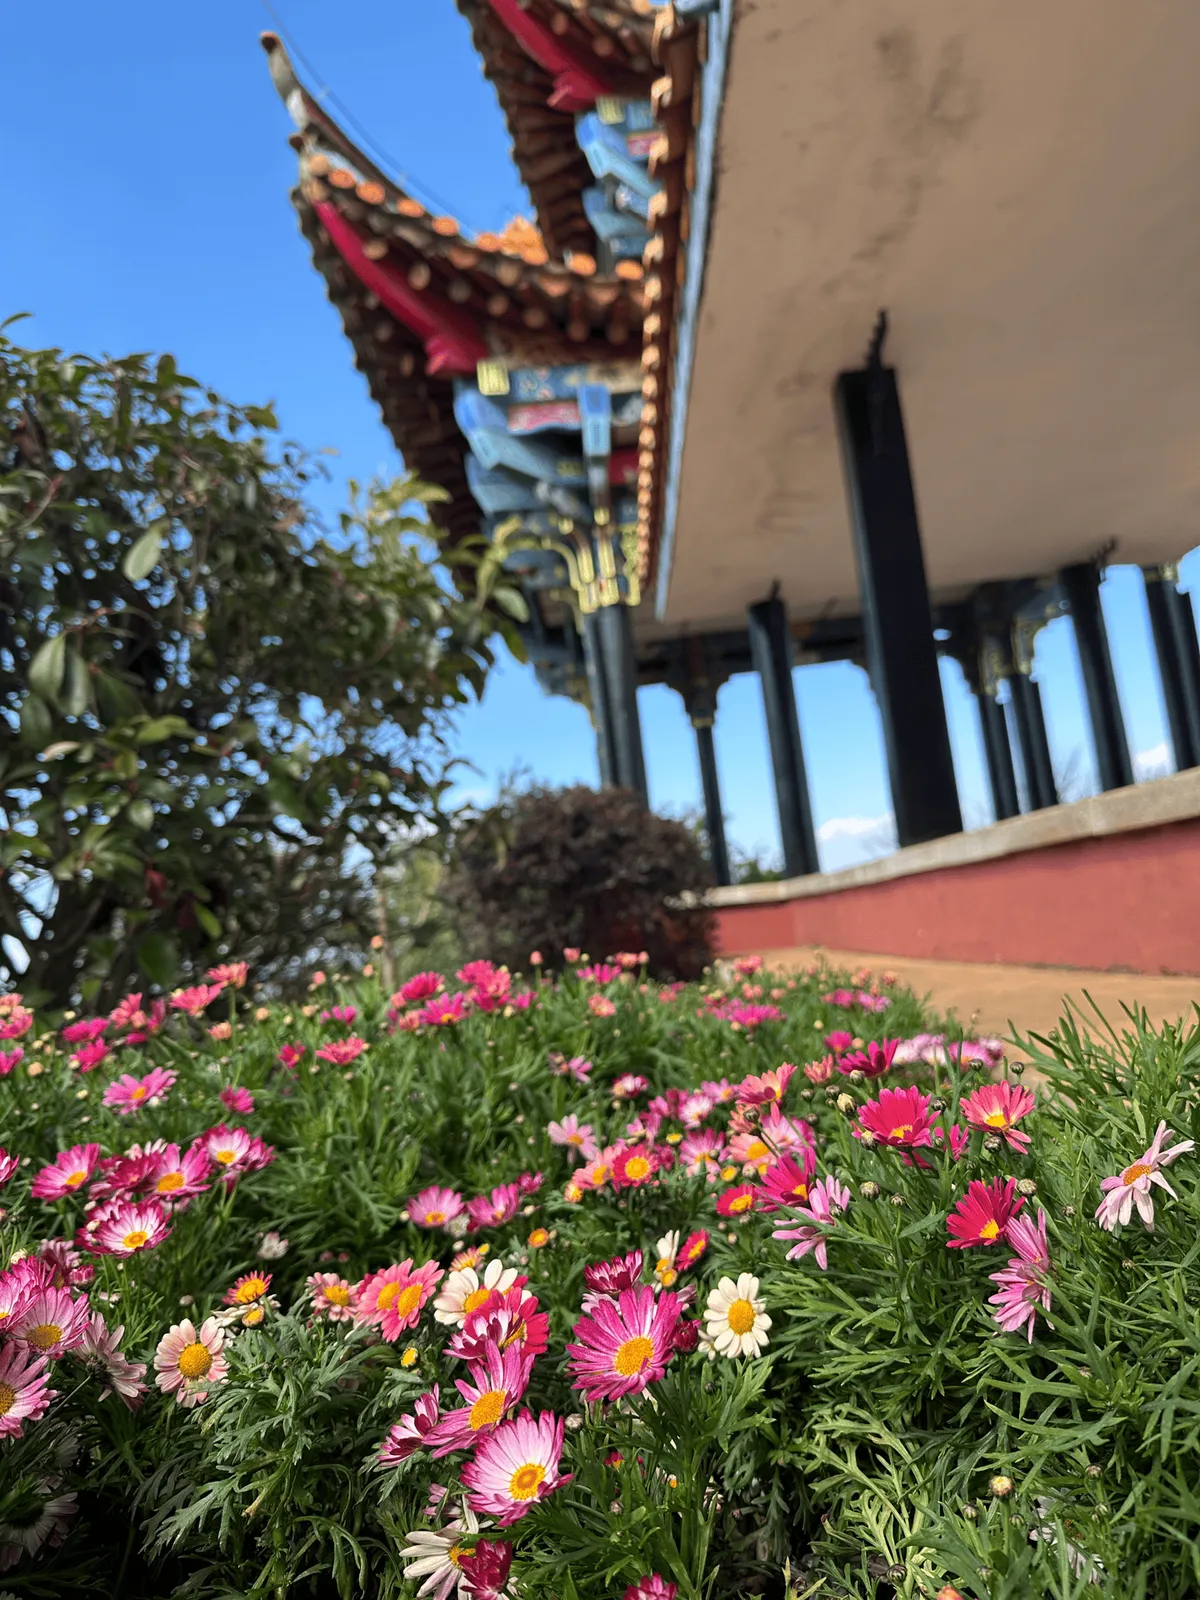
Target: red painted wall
column 1125, row 901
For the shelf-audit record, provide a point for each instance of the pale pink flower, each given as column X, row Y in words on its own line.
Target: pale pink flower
column 125, row 1229
column 1022, row 1285
column 69, row 1171
column 628, row 1085
column 174, row 1177
column 1133, row 1185
column 49, row 1321
column 996, row 1107
column 393, row 1298
column 435, row 1207
column 233, row 973
column 515, row 1467
column 333, row 1297
column 8, row 1165
column 189, row 1362
column 195, row 999
column 828, row 1200
column 128, row 1094
column 98, row 1346
column 24, row 1391
column 341, row 1052
column 577, row 1136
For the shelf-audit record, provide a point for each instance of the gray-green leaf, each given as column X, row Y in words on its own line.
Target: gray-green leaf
column 142, row 557
column 48, row 666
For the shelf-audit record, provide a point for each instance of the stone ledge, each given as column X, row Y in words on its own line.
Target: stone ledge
column 1142, row 805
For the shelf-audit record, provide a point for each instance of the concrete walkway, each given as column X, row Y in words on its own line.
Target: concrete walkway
column 989, row 998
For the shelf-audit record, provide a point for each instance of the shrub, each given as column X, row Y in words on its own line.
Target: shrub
column 808, row 1387
column 583, row 869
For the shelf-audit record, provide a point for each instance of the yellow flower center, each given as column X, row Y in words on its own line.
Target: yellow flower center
column 169, row 1182
column 901, row 1130
column 456, row 1552
column 638, row 1167
column 387, row 1297
column 254, row 1316
column 407, row 1301
column 337, row 1294
column 633, row 1356
column 741, row 1202
column 728, row 1172
column 756, row 1150
column 600, row 1173
column 409, row 1358
column 666, row 1274
column 8, row 1398
column 139, row 1093
column 75, row 1179
column 252, row 1289
column 488, row 1409
column 225, row 1157
column 741, row 1316
column 538, row 1238
column 135, row 1239
column 475, row 1299
column 990, row 1230
column 574, row 1138
column 526, row 1481
column 1139, row 1169
column 44, row 1336
column 433, row 1218
column 996, row 1119
column 195, row 1360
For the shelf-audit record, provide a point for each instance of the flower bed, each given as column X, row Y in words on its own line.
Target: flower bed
column 593, row 1288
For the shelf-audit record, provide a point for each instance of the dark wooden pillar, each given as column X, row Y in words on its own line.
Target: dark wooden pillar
column 998, row 751
column 1174, row 627
column 1031, row 736
column 620, row 675
column 593, row 660
column 901, row 652
column 1081, row 587
column 714, row 816
column 771, row 653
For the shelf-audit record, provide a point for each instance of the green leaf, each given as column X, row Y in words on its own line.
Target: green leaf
column 142, row 556
column 36, row 722
column 512, row 601
column 141, row 814
column 77, row 688
column 161, row 728
column 158, row 959
column 48, row 666
column 60, row 747
column 206, row 920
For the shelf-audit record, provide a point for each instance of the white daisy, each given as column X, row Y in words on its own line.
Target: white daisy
column 668, row 1249
column 735, row 1318
column 434, row 1554
column 465, row 1291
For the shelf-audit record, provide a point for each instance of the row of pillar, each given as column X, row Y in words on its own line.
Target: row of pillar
column 901, row 655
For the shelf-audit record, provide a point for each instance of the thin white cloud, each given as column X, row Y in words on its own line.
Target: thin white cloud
column 854, row 827
column 1152, row 763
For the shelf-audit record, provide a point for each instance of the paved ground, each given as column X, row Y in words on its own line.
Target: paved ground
column 988, row 998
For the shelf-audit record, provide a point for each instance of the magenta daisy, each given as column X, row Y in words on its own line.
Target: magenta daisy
column 628, row 1085
column 996, row 1107
column 611, row 1277
column 900, row 1117
column 1133, row 1186
column 129, row 1094
column 422, row 986
column 98, row 1346
column 24, row 1391
column 250, row 1287
column 495, row 1388
column 760, row 1089
column 873, row 1061
column 495, row 1209
column 126, row 1230
column 651, row 1587
column 515, row 1467
column 737, row 1201
column 9, row 1059
column 189, row 1363
column 341, row 1052
column 1022, row 1285
column 49, row 1322
column 69, row 1171
column 634, row 1167
column 393, row 1298
column 333, row 1297
column 485, row 1568
column 174, row 1177
column 787, row 1182
column 435, row 1207
column 411, row 1432
column 237, row 1099
column 983, row 1214
column 625, row 1345
column 445, row 1010
column 8, row 1165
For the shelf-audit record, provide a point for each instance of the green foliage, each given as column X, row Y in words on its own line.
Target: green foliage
column 212, row 717
column 584, row 869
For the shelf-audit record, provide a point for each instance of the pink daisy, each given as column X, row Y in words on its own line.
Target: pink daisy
column 24, row 1391
column 515, row 1467
column 238, row 1100
column 422, row 986
column 651, row 1588
column 249, row 1288
column 690, row 1251
column 577, row 1136
column 820, row 1071
column 508, row 1316
column 290, row 1056
column 333, row 1297
column 623, row 1346
column 410, row 1433
column 873, row 1061
column 10, row 1059
column 126, row 1230
column 611, row 1277
column 485, row 1568
column 128, row 1094
column 495, row 1209
column 341, row 1052
column 760, row 1089
column 1133, row 1185
column 89, row 1056
column 1022, row 1285
column 194, row 1000
column 98, row 1347
column 995, row 1107
column 69, row 1171
column 628, row 1085
column 8, row 1165
column 828, row 1196
column 702, row 1153
column 84, row 1031
column 173, row 1177
column 983, row 1214
column 50, row 1322
column 435, row 1207
column 786, row 1182
column 233, row 973
column 343, row 1014
column 393, row 1298
column 495, row 1388
column 634, row 1167
column 188, row 1361
column 900, row 1117
column 444, row 1010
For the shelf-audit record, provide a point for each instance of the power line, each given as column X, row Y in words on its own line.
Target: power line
column 323, row 93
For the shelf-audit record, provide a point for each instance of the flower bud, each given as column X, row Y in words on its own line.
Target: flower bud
column 969, row 1512
column 992, row 1142
column 1001, row 1486
column 846, row 1103
column 1016, row 1068
column 869, row 1190
column 896, row 1199
column 1068, row 1211
column 856, row 1076
column 1093, row 1471
column 1026, row 1186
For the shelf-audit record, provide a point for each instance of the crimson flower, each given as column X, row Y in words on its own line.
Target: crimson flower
column 900, row 1117
column 872, row 1062
column 983, row 1214
column 996, row 1107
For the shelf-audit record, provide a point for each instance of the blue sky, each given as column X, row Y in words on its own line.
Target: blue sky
column 147, row 209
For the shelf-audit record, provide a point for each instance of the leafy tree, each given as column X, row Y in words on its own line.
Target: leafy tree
column 577, row 867
column 213, row 718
